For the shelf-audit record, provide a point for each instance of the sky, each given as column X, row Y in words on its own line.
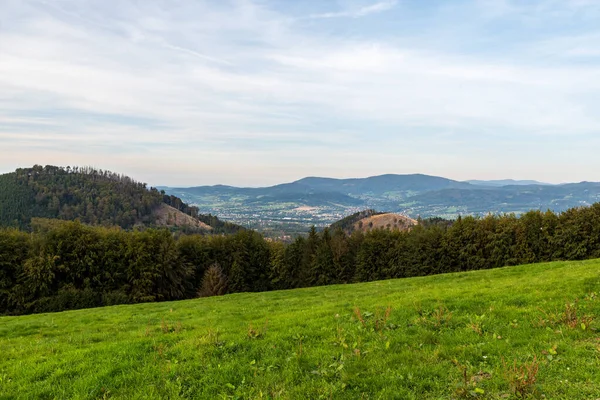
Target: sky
column 259, row 92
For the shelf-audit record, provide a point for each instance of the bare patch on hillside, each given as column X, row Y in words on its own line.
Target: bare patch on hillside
column 168, row 216
column 388, row 221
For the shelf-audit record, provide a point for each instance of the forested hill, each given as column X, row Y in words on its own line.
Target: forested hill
column 95, row 197
column 367, row 220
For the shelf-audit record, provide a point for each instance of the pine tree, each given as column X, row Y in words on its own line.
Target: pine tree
column 323, row 267
column 214, row 282
column 237, row 281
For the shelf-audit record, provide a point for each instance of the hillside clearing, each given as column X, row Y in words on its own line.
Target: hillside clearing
column 168, row 216
column 462, row 335
column 385, row 221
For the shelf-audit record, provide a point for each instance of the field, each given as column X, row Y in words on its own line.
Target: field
column 526, row 331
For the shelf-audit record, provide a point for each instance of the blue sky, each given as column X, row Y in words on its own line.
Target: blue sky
column 257, row 92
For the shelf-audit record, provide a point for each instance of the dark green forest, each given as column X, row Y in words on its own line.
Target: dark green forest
column 92, row 196
column 62, row 265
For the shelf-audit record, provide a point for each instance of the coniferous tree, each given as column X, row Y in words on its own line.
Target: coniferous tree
column 237, row 281
column 307, row 275
column 277, row 267
column 323, row 266
column 214, row 282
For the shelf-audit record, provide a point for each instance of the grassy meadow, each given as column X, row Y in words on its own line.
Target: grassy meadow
column 516, row 332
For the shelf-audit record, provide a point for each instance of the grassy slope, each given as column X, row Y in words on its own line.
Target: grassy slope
column 313, row 347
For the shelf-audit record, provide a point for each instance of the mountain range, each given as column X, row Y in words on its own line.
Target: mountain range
column 321, row 201
column 105, row 198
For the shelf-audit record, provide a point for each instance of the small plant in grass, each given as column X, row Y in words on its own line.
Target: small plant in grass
column 340, row 337
column 160, row 349
column 256, row 333
column 178, row 327
column 467, row 387
column 166, row 328
column 476, row 324
column 522, row 377
column 571, row 317
column 299, row 338
column 592, row 296
column 437, row 318
column 382, row 317
column 551, row 353
column 360, row 317
column 212, row 337
column 377, row 321
column 331, row 370
column 441, row 316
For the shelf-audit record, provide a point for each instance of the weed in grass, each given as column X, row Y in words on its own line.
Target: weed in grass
column 105, row 393
column 467, row 387
column 299, row 338
column 178, row 327
column 522, row 377
column 551, row 353
column 377, row 321
column 360, row 317
column 253, row 333
column 442, row 316
column 592, row 296
column 571, row 317
column 436, row 319
column 381, row 318
column 212, row 338
column 340, row 337
column 173, row 328
column 331, row 370
column 160, row 349
column 476, row 324
column 164, row 327
column 257, row 369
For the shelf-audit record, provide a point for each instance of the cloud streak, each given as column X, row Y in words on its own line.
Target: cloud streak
column 359, row 12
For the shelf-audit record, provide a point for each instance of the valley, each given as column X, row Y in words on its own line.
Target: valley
column 290, row 209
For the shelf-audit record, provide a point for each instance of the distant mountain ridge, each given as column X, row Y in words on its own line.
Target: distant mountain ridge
column 322, row 201
column 506, row 182
column 375, row 184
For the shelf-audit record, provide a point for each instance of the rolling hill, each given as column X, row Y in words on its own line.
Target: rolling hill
column 95, row 197
column 527, row 331
column 365, row 221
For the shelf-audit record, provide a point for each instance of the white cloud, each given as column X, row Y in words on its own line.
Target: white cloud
column 359, row 12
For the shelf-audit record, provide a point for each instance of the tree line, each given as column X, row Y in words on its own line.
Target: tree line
column 69, row 265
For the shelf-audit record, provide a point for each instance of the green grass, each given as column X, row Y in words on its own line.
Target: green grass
column 448, row 336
